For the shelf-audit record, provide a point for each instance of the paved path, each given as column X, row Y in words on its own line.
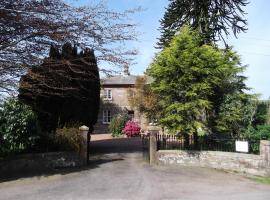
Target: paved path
column 126, row 175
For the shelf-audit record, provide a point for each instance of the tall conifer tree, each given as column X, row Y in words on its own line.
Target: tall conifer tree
column 200, row 87
column 214, row 19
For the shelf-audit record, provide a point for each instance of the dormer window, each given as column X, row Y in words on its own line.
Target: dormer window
column 107, row 94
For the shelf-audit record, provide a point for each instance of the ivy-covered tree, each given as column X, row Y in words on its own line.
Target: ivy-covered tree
column 214, row 19
column 193, row 82
column 143, row 98
column 64, row 89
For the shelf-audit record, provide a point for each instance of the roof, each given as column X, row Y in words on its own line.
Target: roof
column 123, row 80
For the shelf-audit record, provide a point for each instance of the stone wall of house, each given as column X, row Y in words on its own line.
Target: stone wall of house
column 240, row 162
column 119, row 105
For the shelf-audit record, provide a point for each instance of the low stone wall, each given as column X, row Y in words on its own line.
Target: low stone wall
column 39, row 162
column 240, row 162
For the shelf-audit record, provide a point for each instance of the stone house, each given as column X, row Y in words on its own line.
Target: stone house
column 114, row 95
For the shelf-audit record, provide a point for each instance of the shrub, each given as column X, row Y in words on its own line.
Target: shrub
column 261, row 132
column 19, row 131
column 117, row 124
column 69, row 139
column 131, row 129
column 262, row 114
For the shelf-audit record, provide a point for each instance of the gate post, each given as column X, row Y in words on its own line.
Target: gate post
column 84, row 151
column 153, row 146
column 265, row 151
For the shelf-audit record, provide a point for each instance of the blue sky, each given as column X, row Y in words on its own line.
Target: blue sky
column 253, row 46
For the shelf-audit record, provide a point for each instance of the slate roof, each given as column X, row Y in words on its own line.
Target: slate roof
column 123, row 80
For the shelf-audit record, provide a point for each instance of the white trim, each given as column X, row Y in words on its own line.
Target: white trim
column 107, row 94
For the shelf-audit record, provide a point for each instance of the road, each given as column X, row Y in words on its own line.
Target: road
column 126, row 175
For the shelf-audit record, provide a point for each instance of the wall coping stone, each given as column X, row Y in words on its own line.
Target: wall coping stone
column 265, row 142
column 84, row 128
column 222, row 153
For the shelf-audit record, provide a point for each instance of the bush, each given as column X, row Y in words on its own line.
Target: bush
column 262, row 113
column 69, row 139
column 131, row 129
column 19, row 131
column 254, row 135
column 117, row 125
column 261, row 132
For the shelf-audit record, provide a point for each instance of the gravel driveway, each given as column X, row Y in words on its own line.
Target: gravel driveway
column 125, row 175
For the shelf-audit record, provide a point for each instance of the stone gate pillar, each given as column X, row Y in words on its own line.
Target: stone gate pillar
column 265, row 154
column 84, row 154
column 153, row 145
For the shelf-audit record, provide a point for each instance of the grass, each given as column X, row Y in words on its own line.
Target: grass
column 263, row 180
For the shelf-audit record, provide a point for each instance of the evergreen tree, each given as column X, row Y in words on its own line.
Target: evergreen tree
column 212, row 18
column 193, row 83
column 64, row 89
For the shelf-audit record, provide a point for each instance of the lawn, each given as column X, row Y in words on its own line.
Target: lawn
column 264, row 180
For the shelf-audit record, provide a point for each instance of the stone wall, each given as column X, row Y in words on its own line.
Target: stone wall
column 237, row 162
column 39, row 162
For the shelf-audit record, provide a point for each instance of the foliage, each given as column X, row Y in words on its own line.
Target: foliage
column 268, row 114
column 254, row 135
column 193, row 82
column 262, row 114
column 260, row 132
column 29, row 27
column 64, row 89
column 236, row 113
column 263, row 180
column 18, row 127
column 117, row 125
column 144, row 99
column 212, row 18
column 131, row 129
column 69, row 139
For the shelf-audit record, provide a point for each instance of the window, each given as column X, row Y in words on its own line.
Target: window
column 107, row 116
column 107, row 94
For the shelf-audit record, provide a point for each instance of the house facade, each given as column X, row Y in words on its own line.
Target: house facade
column 114, row 96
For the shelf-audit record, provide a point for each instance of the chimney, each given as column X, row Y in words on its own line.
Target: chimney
column 126, row 70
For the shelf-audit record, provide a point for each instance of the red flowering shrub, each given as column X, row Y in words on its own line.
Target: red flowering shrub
column 131, row 129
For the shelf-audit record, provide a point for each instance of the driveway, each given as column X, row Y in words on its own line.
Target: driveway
column 125, row 175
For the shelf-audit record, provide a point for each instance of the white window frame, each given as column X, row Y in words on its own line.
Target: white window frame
column 107, row 94
column 107, row 117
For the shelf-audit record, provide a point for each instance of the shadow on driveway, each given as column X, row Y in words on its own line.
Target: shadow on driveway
column 116, row 145
column 49, row 172
column 98, row 149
